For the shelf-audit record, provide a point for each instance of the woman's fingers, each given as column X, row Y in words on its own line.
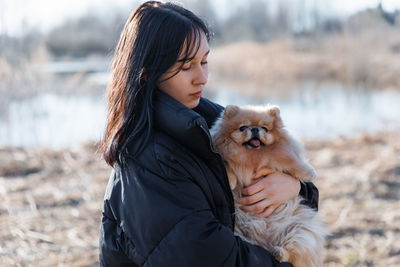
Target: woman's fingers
column 257, row 207
column 262, row 172
column 267, row 212
column 255, row 188
column 252, row 199
column 252, row 189
column 267, row 193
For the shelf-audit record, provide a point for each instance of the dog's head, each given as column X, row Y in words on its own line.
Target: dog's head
column 252, row 127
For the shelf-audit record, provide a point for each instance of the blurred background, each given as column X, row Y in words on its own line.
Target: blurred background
column 333, row 67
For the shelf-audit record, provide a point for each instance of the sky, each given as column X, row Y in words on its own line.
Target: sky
column 45, row 14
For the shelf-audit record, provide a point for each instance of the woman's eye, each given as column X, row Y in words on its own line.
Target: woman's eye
column 186, row 67
column 265, row 128
column 242, row 128
column 204, row 62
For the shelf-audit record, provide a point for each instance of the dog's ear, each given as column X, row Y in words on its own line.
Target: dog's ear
column 230, row 111
column 274, row 111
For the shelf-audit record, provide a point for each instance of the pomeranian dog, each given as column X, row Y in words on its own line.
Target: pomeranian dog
column 251, row 138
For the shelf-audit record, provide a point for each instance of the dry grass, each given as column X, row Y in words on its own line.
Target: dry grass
column 50, row 206
column 50, row 202
column 365, row 60
column 359, row 182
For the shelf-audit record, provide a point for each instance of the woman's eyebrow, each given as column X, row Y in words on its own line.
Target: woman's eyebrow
column 206, row 53
column 193, row 58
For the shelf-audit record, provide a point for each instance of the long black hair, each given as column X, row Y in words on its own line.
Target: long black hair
column 153, row 38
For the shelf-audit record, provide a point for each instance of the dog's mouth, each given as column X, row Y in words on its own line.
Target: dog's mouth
column 253, row 143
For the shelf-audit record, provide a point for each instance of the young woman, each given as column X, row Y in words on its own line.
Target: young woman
column 168, row 201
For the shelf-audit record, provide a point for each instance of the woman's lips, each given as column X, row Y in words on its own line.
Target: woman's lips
column 197, row 94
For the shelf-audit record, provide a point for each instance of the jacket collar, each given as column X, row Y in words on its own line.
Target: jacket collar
column 190, row 129
column 183, row 124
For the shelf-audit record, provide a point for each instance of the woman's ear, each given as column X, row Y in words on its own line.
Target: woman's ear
column 230, row 111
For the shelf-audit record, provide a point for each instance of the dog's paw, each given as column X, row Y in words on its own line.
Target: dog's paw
column 305, row 174
column 310, row 175
column 280, row 254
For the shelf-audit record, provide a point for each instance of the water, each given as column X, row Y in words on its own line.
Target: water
column 329, row 111
column 57, row 121
column 52, row 121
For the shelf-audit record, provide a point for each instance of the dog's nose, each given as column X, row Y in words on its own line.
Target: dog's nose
column 254, row 130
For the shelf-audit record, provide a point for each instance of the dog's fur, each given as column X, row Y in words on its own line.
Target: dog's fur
column 251, row 138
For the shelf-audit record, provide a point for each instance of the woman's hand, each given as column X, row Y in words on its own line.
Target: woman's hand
column 269, row 190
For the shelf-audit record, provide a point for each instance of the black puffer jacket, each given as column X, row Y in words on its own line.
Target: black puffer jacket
column 172, row 206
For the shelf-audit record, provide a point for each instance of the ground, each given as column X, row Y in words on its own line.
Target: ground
column 50, row 202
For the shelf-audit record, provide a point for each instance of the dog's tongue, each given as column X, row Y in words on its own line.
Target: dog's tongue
column 255, row 142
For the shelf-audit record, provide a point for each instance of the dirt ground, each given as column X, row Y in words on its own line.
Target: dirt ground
column 50, row 202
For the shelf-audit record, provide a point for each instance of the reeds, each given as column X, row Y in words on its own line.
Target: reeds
column 366, row 60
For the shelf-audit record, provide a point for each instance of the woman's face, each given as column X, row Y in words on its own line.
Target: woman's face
column 187, row 86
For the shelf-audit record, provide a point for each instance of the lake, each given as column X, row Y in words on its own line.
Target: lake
column 310, row 112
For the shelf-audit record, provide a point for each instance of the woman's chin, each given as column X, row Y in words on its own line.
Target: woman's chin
column 193, row 104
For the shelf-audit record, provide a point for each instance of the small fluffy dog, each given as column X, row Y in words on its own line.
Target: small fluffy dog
column 251, row 138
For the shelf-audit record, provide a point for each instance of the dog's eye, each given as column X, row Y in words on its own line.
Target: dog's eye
column 265, row 128
column 242, row 128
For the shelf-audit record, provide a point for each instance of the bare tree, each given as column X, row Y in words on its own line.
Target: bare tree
column 282, row 25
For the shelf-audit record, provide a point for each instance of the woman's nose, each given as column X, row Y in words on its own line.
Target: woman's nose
column 201, row 75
